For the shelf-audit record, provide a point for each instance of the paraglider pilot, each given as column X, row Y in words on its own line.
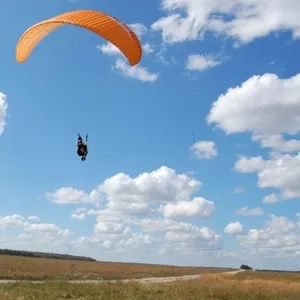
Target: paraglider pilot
column 82, row 149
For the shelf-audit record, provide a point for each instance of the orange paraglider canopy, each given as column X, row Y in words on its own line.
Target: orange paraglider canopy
column 107, row 27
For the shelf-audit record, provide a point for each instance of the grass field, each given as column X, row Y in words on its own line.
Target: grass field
column 17, row 267
column 213, row 285
column 246, row 286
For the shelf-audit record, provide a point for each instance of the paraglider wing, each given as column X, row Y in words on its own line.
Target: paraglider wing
column 107, row 27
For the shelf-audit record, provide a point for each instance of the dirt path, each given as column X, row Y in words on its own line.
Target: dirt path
column 149, row 280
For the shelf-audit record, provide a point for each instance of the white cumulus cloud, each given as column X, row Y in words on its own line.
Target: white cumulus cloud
column 253, row 106
column 182, row 235
column 270, row 199
column 234, row 228
column 11, row 221
column 188, row 20
column 138, row 195
column 281, row 171
column 69, row 195
column 278, row 238
column 137, row 72
column 245, row 211
column 20, row 234
column 139, row 29
column 204, row 149
column 147, row 48
column 199, row 62
column 34, row 218
column 135, row 214
column 199, row 207
column 249, row 164
column 109, row 49
column 50, row 231
column 278, row 143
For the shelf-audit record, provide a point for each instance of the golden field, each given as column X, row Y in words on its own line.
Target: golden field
column 246, row 286
column 212, row 285
column 17, row 267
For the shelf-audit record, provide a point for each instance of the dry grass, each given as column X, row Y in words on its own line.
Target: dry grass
column 16, row 267
column 210, row 287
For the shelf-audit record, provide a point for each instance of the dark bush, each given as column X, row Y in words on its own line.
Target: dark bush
column 245, row 267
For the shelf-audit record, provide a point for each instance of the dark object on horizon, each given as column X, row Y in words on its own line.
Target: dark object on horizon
column 245, row 267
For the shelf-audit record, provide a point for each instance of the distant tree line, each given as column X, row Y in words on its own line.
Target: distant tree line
column 277, row 271
column 44, row 255
column 246, row 267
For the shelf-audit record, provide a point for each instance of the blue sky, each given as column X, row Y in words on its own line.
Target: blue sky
column 183, row 148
